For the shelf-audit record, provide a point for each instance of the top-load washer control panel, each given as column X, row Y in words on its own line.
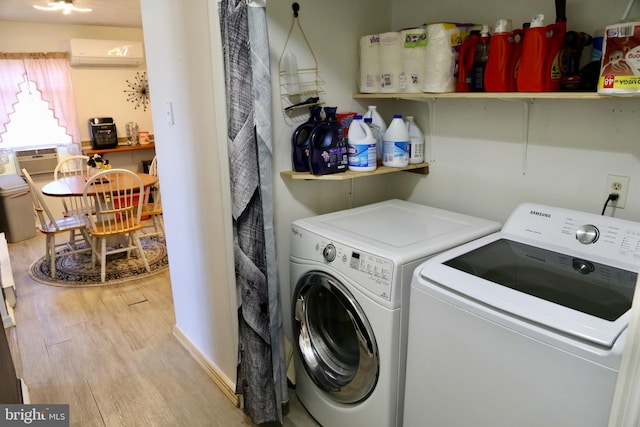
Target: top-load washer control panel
column 590, row 234
column 370, row 272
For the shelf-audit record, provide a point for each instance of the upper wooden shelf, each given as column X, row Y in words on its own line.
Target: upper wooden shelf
column 422, row 168
column 119, row 149
column 488, row 95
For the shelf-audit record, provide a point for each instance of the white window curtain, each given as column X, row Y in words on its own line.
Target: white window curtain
column 52, row 75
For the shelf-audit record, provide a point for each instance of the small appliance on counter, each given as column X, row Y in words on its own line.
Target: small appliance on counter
column 103, row 133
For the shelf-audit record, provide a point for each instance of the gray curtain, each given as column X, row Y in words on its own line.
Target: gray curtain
column 261, row 363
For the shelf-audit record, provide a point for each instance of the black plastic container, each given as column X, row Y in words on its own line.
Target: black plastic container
column 301, row 139
column 328, row 149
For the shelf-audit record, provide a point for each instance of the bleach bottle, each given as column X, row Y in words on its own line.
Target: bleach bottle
column 377, row 122
column 396, row 144
column 361, row 147
column 498, row 75
column 417, row 141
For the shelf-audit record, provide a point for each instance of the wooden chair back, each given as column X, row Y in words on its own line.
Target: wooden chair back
column 116, row 196
column 47, row 222
column 154, row 190
column 74, row 166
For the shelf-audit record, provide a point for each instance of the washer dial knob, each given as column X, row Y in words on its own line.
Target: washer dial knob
column 587, row 234
column 329, row 252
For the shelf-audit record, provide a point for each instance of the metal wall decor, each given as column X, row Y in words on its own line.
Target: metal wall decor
column 138, row 92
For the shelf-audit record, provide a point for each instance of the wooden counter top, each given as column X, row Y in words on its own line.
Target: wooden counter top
column 118, row 149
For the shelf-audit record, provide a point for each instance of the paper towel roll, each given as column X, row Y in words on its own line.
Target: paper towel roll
column 440, row 59
column 414, row 53
column 369, row 64
column 390, row 62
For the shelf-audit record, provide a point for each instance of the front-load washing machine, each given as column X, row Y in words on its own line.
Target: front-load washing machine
column 350, row 275
column 524, row 327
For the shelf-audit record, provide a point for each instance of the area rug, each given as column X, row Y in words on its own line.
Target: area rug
column 78, row 271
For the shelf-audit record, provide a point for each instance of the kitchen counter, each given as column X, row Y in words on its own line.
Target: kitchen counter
column 118, row 149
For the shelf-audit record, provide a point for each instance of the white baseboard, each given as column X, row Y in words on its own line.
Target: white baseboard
column 227, row 387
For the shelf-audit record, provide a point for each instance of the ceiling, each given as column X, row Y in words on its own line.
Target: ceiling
column 118, row 13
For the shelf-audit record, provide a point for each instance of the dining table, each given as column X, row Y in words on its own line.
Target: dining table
column 74, row 185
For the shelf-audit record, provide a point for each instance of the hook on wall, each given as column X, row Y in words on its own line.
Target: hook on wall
column 296, row 9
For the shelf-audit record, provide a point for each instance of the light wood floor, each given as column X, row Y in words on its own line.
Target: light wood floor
column 109, row 353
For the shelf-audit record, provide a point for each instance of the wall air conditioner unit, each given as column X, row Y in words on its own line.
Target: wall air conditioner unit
column 105, row 53
column 36, row 161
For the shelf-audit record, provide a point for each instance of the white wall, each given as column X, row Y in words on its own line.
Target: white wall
column 332, row 29
column 99, row 91
column 185, row 69
column 478, row 153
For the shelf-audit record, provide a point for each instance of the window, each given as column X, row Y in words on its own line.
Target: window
column 38, row 83
column 32, row 123
column 37, row 106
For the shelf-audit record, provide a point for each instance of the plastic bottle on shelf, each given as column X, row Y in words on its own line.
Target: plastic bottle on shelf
column 465, row 61
column 416, row 137
column 379, row 122
column 361, row 146
column 558, row 55
column 396, row 144
column 301, row 138
column 498, row 75
column 327, row 148
column 290, row 65
column 480, row 58
column 377, row 135
column 518, row 42
column 535, row 49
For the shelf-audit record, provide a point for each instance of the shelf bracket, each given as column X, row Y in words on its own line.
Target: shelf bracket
column 527, row 105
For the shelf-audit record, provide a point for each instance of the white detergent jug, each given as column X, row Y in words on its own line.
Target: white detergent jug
column 417, row 141
column 379, row 125
column 396, row 144
column 362, row 146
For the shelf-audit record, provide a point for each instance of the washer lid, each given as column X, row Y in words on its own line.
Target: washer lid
column 402, row 228
column 568, row 294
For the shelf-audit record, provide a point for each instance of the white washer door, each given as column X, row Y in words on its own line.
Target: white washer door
column 333, row 338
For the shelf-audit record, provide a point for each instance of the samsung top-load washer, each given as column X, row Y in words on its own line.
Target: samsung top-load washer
column 350, row 276
column 524, row 327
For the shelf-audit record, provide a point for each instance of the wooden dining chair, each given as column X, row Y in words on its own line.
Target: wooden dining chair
column 74, row 166
column 116, row 193
column 51, row 226
column 152, row 206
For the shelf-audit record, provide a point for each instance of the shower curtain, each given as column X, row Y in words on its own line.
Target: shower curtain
column 261, row 373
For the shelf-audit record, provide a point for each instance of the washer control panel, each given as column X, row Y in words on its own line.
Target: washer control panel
column 574, row 232
column 372, row 273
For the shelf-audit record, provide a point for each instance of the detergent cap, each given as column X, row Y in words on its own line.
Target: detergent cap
column 503, row 26
column 537, row 21
column 484, row 31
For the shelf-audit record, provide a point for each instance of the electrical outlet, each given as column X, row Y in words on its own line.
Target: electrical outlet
column 620, row 185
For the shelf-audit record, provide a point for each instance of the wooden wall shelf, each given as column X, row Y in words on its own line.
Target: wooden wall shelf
column 421, row 168
column 487, row 95
column 118, row 149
